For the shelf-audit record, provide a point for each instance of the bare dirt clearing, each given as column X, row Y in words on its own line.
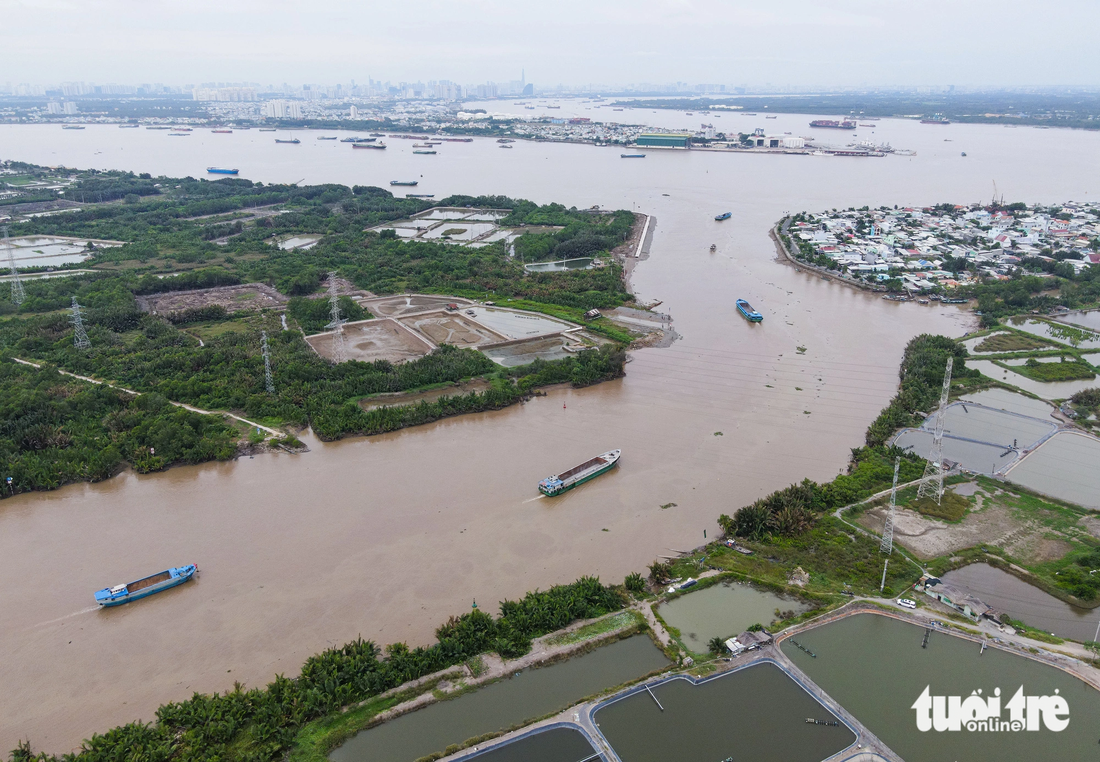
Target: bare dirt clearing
column 372, row 340
column 248, row 296
column 989, row 522
column 452, row 328
column 391, row 400
column 405, row 304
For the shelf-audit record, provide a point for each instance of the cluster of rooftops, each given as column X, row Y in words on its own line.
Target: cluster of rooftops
column 915, row 244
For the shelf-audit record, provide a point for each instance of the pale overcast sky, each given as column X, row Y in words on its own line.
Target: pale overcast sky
column 1000, row 43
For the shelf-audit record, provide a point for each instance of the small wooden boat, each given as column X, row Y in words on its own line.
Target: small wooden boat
column 143, row 588
column 713, row 248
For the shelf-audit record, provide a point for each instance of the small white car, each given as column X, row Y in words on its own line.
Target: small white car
column 907, row 603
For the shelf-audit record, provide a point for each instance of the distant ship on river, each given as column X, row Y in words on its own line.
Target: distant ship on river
column 834, row 124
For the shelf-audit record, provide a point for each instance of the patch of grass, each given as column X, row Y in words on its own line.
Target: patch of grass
column 837, row 557
column 1009, row 342
column 314, row 741
column 1073, row 370
column 593, row 630
column 477, row 666
column 1030, row 632
column 951, row 508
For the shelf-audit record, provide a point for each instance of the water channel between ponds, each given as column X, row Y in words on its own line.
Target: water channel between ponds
column 554, row 745
column 501, row 705
column 757, row 713
column 1011, row 595
column 724, row 610
column 874, row 666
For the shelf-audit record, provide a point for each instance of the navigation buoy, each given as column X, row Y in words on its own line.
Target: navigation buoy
column 563, row 406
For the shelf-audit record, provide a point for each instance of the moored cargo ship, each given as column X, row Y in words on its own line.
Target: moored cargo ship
column 748, row 312
column 222, row 171
column 834, row 124
column 376, row 146
column 590, row 469
column 143, row 588
column 404, row 182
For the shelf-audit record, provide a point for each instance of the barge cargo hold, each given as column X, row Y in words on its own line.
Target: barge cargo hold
column 143, row 588
column 748, row 312
column 590, row 469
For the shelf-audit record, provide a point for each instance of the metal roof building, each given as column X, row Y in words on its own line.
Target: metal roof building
column 665, row 140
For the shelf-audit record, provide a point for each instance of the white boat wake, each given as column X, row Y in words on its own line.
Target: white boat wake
column 68, row 616
column 538, row 497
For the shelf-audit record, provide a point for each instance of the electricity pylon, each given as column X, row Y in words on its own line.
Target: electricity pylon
column 887, row 545
column 269, row 381
column 80, row 336
column 17, row 293
column 931, row 484
column 336, row 325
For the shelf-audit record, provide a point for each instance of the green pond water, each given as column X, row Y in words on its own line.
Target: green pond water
column 875, row 668
column 531, row 693
column 723, row 611
column 1025, row 602
column 756, row 714
column 556, row 745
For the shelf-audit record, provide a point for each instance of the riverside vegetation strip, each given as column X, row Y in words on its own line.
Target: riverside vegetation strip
column 262, row 723
column 210, row 357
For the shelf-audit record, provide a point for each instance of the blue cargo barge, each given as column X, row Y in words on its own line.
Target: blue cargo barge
column 222, row 171
column 143, row 588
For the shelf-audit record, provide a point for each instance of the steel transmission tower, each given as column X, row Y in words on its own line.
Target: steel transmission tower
column 932, row 483
column 887, row 545
column 269, row 381
column 336, row 325
column 80, row 336
column 17, row 293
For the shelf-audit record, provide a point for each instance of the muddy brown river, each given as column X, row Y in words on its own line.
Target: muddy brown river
column 386, row 537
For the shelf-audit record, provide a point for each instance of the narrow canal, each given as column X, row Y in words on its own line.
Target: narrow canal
column 876, row 668
column 723, row 611
column 501, row 705
column 758, row 713
column 555, row 745
column 1025, row 602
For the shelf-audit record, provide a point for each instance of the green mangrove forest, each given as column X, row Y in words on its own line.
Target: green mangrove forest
column 183, row 234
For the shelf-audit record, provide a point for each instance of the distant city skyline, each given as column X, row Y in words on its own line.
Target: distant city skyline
column 800, row 44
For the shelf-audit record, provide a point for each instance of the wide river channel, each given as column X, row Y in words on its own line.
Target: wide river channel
column 386, row 537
